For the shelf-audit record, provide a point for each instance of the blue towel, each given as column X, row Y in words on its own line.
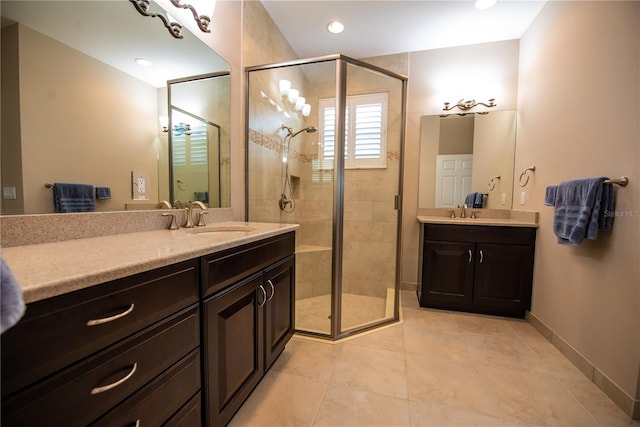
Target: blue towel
column 11, row 304
column 474, row 200
column 580, row 209
column 550, row 195
column 103, row 193
column 73, row 197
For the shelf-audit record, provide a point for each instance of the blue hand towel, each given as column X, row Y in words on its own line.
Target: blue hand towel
column 579, row 208
column 550, row 195
column 478, row 201
column 73, row 197
column 474, row 200
column 103, row 193
column 11, row 304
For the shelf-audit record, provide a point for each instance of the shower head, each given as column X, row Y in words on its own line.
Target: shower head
column 310, row 129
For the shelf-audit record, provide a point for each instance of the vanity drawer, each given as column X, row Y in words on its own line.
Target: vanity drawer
column 190, row 415
column 225, row 268
column 62, row 330
column 480, row 234
column 158, row 401
column 86, row 390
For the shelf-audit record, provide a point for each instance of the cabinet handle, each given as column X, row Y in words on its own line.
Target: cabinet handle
column 273, row 290
column 98, row 390
column 264, row 293
column 481, row 256
column 94, row 322
column 470, row 255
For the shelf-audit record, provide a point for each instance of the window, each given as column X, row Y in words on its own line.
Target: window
column 192, row 150
column 365, row 132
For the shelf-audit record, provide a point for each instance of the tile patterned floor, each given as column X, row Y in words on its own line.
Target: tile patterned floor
column 436, row 368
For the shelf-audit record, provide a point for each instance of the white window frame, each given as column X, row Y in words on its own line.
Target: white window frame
column 327, row 142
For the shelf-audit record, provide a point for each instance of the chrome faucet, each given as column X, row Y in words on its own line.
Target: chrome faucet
column 188, row 220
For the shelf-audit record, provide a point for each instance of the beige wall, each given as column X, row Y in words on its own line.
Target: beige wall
column 77, row 129
column 578, row 101
column 433, row 78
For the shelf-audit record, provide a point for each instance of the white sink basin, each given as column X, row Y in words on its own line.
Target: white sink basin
column 222, row 229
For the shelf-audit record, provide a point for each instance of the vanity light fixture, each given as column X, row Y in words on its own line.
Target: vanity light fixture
column 306, row 110
column 467, row 105
column 293, row 95
column 173, row 26
column 335, row 27
column 206, row 7
column 300, row 103
column 285, row 86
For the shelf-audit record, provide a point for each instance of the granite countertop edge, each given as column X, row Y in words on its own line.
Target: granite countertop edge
column 50, row 269
column 504, row 222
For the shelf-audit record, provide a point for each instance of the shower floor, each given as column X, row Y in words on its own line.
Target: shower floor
column 312, row 314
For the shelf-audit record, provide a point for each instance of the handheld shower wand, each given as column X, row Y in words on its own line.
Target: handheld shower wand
column 288, row 205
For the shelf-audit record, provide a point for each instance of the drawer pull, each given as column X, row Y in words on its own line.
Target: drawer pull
column 481, row 256
column 94, row 322
column 264, row 294
column 470, row 255
column 98, row 390
column 273, row 290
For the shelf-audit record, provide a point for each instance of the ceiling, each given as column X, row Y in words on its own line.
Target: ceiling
column 115, row 33
column 378, row 27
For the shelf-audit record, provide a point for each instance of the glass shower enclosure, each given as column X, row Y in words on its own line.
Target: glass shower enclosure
column 325, row 139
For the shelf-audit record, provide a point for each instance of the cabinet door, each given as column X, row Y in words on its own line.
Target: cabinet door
column 234, row 347
column 503, row 276
column 279, row 281
column 447, row 274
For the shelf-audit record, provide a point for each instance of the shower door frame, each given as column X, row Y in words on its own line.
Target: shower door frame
column 342, row 63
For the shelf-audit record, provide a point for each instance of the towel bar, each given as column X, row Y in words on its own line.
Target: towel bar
column 47, row 185
column 622, row 181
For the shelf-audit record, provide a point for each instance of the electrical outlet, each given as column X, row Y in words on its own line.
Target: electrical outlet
column 139, row 182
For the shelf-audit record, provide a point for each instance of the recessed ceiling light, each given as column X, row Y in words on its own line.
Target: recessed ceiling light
column 484, row 4
column 335, row 27
column 144, row 62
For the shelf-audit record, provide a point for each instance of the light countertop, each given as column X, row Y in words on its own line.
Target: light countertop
column 505, row 222
column 50, row 269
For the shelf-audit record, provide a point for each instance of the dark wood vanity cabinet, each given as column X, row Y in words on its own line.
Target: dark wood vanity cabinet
column 484, row 269
column 182, row 345
column 245, row 324
column 125, row 351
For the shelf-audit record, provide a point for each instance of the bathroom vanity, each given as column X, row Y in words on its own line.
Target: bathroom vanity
column 481, row 266
column 183, row 343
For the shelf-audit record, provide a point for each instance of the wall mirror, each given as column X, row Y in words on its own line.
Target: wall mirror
column 78, row 108
column 467, row 154
column 199, row 140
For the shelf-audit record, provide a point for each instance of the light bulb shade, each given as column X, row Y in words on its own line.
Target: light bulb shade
column 204, row 7
column 285, row 85
column 306, row 110
column 300, row 103
column 293, row 95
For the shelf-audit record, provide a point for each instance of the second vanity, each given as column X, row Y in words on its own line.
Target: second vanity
column 152, row 328
column 482, row 265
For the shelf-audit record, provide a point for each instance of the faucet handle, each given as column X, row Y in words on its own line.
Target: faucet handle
column 200, row 222
column 173, row 225
column 188, row 221
column 473, row 214
column 452, row 213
